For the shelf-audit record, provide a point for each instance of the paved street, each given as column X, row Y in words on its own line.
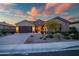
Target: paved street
column 25, row 49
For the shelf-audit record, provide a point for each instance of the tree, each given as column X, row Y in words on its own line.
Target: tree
column 52, row 26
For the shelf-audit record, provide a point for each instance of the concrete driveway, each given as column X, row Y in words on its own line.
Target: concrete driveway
column 17, row 38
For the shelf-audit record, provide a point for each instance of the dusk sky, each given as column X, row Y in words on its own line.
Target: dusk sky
column 14, row 13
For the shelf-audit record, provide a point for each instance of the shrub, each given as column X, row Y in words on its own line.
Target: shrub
column 4, row 31
column 0, row 32
column 41, row 37
column 29, row 40
column 58, row 35
column 44, row 38
column 49, row 35
column 73, row 30
column 75, row 36
column 65, row 33
column 67, row 37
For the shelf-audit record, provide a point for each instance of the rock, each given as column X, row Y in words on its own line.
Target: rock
column 29, row 40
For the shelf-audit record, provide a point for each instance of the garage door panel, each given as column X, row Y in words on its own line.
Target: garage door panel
column 25, row 29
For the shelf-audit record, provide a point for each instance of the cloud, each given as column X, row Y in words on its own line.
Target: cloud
column 62, row 8
column 9, row 14
column 49, row 5
column 9, row 10
column 6, row 6
column 56, row 8
column 18, row 13
column 70, row 17
column 34, row 12
column 30, row 18
column 52, row 9
column 48, row 10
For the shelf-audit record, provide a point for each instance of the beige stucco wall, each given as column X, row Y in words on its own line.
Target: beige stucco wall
column 64, row 25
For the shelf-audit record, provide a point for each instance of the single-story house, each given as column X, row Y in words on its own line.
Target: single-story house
column 30, row 26
column 10, row 27
column 38, row 25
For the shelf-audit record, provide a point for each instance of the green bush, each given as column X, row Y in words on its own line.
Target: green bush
column 44, row 39
column 73, row 30
column 4, row 31
column 58, row 35
column 67, row 37
column 49, row 35
column 75, row 36
column 65, row 33
column 41, row 37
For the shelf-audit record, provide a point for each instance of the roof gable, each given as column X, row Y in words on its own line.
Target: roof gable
column 39, row 22
column 62, row 19
column 25, row 23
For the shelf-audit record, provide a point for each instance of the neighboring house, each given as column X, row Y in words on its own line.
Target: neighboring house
column 4, row 25
column 64, row 24
column 75, row 24
column 30, row 26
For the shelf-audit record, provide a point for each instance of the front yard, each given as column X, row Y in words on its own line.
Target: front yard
column 37, row 38
column 29, row 38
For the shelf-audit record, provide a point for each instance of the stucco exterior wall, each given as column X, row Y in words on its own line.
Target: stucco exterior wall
column 76, row 26
column 64, row 25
